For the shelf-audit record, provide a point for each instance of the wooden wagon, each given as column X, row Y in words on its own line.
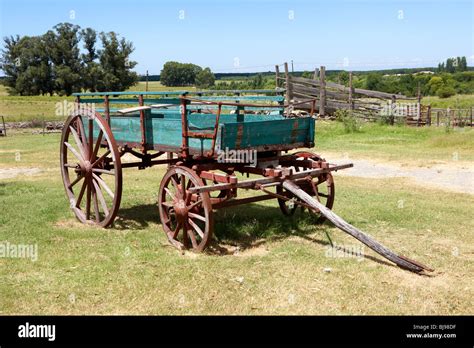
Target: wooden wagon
column 205, row 138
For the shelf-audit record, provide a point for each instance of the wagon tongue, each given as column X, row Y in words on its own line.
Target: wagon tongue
column 400, row 260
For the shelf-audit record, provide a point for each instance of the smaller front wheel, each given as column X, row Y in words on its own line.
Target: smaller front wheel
column 320, row 187
column 186, row 217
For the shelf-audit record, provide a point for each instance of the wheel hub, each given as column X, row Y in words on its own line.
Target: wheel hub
column 181, row 210
column 86, row 168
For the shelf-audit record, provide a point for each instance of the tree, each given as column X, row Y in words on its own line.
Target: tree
column 343, row 78
column 116, row 64
column 93, row 76
column 27, row 66
column 179, row 74
column 10, row 61
column 373, row 82
column 205, row 78
column 63, row 48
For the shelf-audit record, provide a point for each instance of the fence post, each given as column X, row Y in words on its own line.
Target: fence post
column 351, row 91
column 428, row 117
column 418, row 107
column 277, row 76
column 392, row 110
column 289, row 93
column 437, row 118
column 448, row 117
column 322, row 91
column 472, row 110
column 316, row 74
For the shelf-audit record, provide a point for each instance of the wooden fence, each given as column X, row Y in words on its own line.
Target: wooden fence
column 366, row 104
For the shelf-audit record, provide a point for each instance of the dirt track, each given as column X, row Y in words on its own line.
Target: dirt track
column 459, row 178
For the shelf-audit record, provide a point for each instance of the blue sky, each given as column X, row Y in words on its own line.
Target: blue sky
column 244, row 35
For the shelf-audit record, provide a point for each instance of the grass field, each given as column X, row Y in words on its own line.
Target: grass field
column 283, row 265
column 39, row 108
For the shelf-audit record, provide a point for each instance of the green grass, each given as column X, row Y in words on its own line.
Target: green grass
column 17, row 108
column 132, row 269
column 418, row 145
column 459, row 101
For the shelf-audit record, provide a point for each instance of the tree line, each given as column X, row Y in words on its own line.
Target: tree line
column 67, row 59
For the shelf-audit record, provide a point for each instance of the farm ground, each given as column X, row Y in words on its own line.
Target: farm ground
column 262, row 262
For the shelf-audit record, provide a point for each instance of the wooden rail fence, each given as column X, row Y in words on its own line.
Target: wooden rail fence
column 363, row 103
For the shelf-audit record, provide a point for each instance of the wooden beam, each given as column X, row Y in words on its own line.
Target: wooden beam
column 353, row 231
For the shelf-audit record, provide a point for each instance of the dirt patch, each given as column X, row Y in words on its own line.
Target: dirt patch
column 9, row 173
column 459, row 178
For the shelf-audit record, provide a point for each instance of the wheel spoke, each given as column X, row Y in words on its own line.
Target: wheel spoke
column 173, row 197
column 101, row 198
column 97, row 145
column 197, row 216
column 70, row 165
column 101, row 158
column 78, row 142
column 175, row 185
column 82, row 131
column 96, row 205
column 167, row 204
column 104, row 185
column 81, row 194
column 74, row 152
column 192, row 237
column 75, row 181
column 176, row 230
column 194, row 204
column 91, row 138
column 196, row 228
column 182, row 181
column 88, row 200
column 103, row 171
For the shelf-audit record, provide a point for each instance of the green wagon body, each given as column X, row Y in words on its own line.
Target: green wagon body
column 163, row 126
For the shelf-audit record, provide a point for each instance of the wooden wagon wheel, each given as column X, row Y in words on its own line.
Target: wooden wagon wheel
column 321, row 187
column 91, row 168
column 187, row 218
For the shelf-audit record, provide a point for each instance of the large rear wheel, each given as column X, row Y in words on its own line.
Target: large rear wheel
column 91, row 168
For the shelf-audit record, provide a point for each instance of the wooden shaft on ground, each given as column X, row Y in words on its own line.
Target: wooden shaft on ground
column 348, row 228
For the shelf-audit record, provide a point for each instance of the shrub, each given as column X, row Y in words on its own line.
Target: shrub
column 350, row 122
column 445, row 92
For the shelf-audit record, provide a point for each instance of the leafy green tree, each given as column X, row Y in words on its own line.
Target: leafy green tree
column 343, row 78
column 179, row 74
column 205, row 78
column 62, row 45
column 116, row 64
column 27, row 66
column 92, row 78
column 373, row 82
column 10, row 61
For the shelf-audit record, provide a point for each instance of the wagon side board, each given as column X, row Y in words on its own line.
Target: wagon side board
column 163, row 132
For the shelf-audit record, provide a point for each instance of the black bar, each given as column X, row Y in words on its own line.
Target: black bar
column 350, row 331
